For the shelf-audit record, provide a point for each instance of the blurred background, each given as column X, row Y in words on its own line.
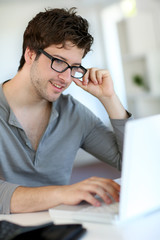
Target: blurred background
column 126, row 42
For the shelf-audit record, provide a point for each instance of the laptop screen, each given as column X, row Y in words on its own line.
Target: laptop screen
column 140, row 191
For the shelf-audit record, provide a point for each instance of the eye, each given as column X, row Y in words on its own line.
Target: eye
column 58, row 61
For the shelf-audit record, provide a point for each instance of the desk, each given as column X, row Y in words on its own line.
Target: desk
column 146, row 228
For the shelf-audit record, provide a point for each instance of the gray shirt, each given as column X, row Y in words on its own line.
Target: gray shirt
column 71, row 126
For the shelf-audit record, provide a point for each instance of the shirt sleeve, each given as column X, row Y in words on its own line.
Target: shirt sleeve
column 119, row 129
column 105, row 143
column 6, row 191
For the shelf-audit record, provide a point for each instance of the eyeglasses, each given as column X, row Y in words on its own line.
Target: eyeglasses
column 61, row 66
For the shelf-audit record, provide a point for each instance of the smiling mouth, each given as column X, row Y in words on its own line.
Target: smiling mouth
column 57, row 85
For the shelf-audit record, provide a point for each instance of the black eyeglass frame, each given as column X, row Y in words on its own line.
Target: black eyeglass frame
column 68, row 66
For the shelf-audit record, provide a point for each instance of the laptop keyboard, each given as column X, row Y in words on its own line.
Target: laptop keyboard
column 103, row 209
column 84, row 212
column 103, row 214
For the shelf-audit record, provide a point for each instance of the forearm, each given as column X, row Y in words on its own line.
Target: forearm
column 26, row 199
column 32, row 199
column 114, row 107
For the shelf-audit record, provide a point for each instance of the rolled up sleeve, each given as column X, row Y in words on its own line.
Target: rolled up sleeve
column 6, row 191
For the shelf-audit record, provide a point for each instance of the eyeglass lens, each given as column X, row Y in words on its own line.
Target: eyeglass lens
column 61, row 66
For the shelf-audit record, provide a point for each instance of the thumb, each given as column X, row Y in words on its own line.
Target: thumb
column 80, row 84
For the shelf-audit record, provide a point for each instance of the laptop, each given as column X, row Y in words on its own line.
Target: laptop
column 140, row 179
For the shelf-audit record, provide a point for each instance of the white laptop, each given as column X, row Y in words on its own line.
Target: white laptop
column 140, row 180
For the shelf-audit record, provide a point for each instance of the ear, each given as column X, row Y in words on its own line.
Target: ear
column 29, row 56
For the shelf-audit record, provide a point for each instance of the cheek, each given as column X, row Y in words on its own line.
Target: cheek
column 70, row 83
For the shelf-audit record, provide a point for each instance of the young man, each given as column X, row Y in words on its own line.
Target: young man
column 42, row 129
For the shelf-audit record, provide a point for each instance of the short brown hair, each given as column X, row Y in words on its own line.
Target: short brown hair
column 56, row 26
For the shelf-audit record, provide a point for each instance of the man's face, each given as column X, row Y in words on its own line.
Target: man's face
column 49, row 84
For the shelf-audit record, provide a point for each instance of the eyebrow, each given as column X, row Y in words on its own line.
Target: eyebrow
column 58, row 56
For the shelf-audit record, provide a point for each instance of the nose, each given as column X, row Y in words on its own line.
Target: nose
column 66, row 76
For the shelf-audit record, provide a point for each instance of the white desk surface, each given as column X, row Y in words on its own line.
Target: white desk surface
column 146, row 228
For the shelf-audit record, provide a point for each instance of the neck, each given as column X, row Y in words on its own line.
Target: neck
column 20, row 93
column 32, row 113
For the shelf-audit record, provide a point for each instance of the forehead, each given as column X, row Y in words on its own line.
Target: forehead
column 68, row 51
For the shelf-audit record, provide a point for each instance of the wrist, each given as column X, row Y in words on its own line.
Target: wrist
column 114, row 107
column 109, row 98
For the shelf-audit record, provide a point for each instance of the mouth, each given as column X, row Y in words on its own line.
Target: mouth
column 57, row 86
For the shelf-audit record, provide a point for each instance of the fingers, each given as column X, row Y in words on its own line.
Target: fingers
column 87, row 189
column 89, row 197
column 95, row 76
column 91, row 76
column 97, row 82
column 104, row 188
